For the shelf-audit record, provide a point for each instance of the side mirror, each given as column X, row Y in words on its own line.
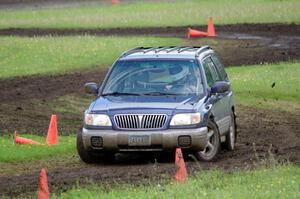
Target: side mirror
column 220, row 87
column 91, row 88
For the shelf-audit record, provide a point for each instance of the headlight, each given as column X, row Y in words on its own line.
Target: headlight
column 185, row 119
column 97, row 120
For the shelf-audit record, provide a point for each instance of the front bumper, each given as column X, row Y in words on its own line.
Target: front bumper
column 164, row 140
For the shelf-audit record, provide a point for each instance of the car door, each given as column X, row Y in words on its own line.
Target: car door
column 220, row 68
column 220, row 100
column 228, row 96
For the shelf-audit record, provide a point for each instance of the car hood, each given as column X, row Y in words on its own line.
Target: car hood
column 162, row 104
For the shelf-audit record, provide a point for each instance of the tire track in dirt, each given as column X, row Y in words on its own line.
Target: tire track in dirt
column 19, row 95
column 179, row 31
column 260, row 127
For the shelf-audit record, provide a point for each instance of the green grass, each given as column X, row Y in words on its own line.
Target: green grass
column 50, row 55
column 150, row 14
column 10, row 152
column 276, row 182
column 252, row 85
column 47, row 55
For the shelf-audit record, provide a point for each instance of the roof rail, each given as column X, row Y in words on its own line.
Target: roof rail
column 150, row 49
column 168, row 49
column 185, row 48
column 163, row 48
column 128, row 52
column 174, row 48
column 202, row 49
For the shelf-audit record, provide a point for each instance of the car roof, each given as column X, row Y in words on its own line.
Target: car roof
column 165, row 52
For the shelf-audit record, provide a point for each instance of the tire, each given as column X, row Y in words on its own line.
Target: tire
column 90, row 157
column 213, row 147
column 231, row 135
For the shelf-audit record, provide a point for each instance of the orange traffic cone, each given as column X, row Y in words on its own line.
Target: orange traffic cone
column 52, row 135
column 115, row 2
column 181, row 174
column 43, row 191
column 196, row 33
column 21, row 140
column 210, row 28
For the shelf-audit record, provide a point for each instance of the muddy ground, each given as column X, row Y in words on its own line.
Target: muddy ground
column 261, row 133
column 26, row 101
column 240, row 44
column 26, row 106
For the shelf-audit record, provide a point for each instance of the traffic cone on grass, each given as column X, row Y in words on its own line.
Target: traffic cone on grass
column 195, row 33
column 210, row 31
column 211, row 28
column 181, row 174
column 52, row 135
column 21, row 140
column 43, row 190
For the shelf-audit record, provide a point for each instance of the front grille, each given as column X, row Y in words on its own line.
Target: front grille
column 140, row 121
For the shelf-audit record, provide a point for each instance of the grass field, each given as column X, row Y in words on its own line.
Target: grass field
column 274, row 182
column 253, row 86
column 47, row 55
column 150, row 14
column 9, row 152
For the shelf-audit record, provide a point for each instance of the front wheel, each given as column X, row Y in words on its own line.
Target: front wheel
column 212, row 148
column 92, row 157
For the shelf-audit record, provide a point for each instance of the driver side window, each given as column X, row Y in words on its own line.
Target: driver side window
column 211, row 73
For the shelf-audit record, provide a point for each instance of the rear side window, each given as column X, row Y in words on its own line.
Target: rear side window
column 210, row 71
column 219, row 67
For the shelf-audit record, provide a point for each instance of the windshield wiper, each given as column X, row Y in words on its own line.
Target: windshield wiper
column 159, row 94
column 120, row 93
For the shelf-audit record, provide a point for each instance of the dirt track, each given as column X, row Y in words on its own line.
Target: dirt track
column 250, row 43
column 26, row 106
column 269, row 130
column 236, row 45
column 223, row 31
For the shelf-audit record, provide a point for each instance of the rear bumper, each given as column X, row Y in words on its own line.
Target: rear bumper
column 163, row 140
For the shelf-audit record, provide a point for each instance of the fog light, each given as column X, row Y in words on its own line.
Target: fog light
column 96, row 141
column 184, row 141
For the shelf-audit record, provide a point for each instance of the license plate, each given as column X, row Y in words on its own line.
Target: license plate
column 139, row 140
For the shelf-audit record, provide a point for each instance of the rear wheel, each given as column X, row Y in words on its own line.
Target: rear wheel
column 231, row 135
column 212, row 148
column 90, row 156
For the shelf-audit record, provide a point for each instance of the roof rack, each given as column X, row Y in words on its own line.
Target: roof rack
column 185, row 48
column 163, row 48
column 174, row 48
column 201, row 50
column 133, row 50
column 168, row 49
column 150, row 49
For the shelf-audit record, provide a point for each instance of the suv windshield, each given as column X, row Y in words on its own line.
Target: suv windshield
column 154, row 77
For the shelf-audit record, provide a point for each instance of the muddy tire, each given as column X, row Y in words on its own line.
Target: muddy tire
column 90, row 157
column 213, row 146
column 85, row 155
column 231, row 135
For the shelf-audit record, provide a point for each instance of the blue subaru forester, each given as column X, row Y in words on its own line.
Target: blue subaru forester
column 159, row 99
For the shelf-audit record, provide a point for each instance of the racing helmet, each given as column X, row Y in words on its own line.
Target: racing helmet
column 177, row 72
